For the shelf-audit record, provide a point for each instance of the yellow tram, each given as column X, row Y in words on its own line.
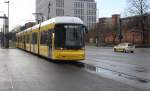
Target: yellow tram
column 60, row 38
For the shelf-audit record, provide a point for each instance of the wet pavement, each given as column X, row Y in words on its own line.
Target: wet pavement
column 129, row 68
column 21, row 71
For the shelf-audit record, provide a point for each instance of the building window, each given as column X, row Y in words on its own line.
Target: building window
column 59, row 12
column 91, row 5
column 91, row 19
column 91, row 12
column 79, row 12
column 59, row 3
column 78, row 5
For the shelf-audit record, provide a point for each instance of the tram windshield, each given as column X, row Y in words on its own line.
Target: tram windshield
column 69, row 36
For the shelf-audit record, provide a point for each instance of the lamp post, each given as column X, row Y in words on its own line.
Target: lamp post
column 7, row 27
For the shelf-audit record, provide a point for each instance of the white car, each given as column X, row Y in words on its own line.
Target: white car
column 124, row 47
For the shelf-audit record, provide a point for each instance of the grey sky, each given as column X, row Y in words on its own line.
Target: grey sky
column 21, row 10
column 108, row 7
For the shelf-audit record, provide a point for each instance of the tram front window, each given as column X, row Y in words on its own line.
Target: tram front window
column 69, row 36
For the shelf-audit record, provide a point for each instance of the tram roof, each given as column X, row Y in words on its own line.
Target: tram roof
column 58, row 20
column 63, row 19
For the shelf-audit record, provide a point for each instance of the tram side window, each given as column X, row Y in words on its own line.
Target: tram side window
column 59, row 36
column 17, row 39
column 28, row 38
column 34, row 38
column 24, row 41
column 44, row 38
column 50, row 37
column 20, row 39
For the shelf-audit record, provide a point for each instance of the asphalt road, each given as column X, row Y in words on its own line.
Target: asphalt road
column 21, row 71
column 134, row 67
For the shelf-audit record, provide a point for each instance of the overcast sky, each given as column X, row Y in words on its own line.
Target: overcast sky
column 108, row 7
column 21, row 10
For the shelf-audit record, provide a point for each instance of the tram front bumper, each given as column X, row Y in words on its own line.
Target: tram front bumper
column 69, row 55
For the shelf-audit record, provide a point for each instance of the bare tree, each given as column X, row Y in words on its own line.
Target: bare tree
column 139, row 8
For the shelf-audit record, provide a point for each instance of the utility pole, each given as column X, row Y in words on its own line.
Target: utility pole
column 6, row 36
column 7, row 28
column 4, row 40
column 8, row 12
column 120, row 30
column 1, row 36
column 49, row 5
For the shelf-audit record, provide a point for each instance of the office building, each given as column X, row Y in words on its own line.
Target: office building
column 84, row 9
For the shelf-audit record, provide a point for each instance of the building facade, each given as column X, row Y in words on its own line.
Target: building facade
column 107, row 30
column 84, row 9
column 132, row 29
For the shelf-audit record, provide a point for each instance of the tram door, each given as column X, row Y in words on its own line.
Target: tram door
column 50, row 43
column 34, row 42
column 24, row 42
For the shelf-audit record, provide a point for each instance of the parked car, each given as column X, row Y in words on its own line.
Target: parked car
column 124, row 47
